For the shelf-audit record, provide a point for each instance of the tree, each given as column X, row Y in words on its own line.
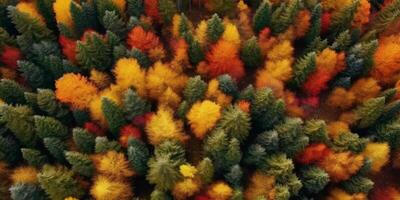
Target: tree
column 83, row 16
column 205, row 170
column 134, row 105
column 194, row 90
column 46, row 101
column 9, row 150
column 303, row 67
column 83, row 140
column 370, row 111
column 88, row 55
column 34, row 157
column 262, row 17
column 81, row 163
column 114, row 115
column 215, row 28
column 103, row 145
column 342, row 19
column 135, row 8
column 251, row 53
column 358, row 184
column 314, row 179
column 11, row 92
column 284, row 15
column 235, row 122
column 166, row 9
column 23, row 191
column 49, row 127
column 138, row 156
column 56, row 147
column 227, row 85
column 163, row 172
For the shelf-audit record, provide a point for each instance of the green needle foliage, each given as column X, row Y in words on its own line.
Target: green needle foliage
column 49, row 127
column 302, row 68
column 11, row 92
column 358, row 184
column 314, row 179
column 235, row 122
column 103, row 145
column 138, row 156
column 205, row 169
column 251, row 54
column 56, row 147
column 84, row 141
column 134, row 105
column 215, row 28
column 135, row 8
column 370, row 111
column 95, row 52
column 284, row 15
column 262, row 17
column 195, row 89
column 266, row 110
column 81, row 163
column 22, row 191
column 167, row 9
column 34, row 157
column 114, row 115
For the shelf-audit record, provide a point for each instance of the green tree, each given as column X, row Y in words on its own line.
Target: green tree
column 235, row 122
column 138, row 156
column 215, row 28
column 195, row 89
column 56, row 148
column 166, row 9
column 22, row 191
column 134, row 105
column 84, row 140
column 302, row 68
column 114, row 115
column 262, row 17
column 251, row 54
column 81, row 163
column 34, row 157
column 49, row 127
column 135, row 8
column 11, row 92
column 314, row 179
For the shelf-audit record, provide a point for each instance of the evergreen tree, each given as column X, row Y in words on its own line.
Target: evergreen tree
column 81, row 163
column 105, row 5
column 159, row 195
column 315, row 26
column 291, row 137
column 31, row 101
column 282, row 192
column 6, row 38
column 247, row 93
column 386, row 16
column 114, row 23
column 266, row 110
column 317, row 45
column 163, row 172
column 251, row 54
column 19, row 121
column 172, row 149
column 215, row 28
column 134, row 105
column 358, row 184
column 182, row 110
column 59, row 183
column 84, row 141
column 138, row 156
column 114, row 115
column 49, row 127
column 195, row 89
column 388, row 132
column 166, row 9
column 23, row 191
column 302, row 68
column 234, row 176
column 227, row 85
column 205, row 169
column 316, row 130
column 255, row 155
column 45, row 7
column 48, row 103
column 284, row 15
column 269, row 140
column 9, row 150
column 292, row 182
column 83, row 16
column 33, row 74
column 349, row 142
column 314, row 179
column 235, row 122
column 104, row 145
column 11, row 92
column 342, row 41
column 34, row 157
column 135, row 8
column 89, row 56
column 277, row 165
column 262, row 17
column 342, row 19
column 196, row 54
column 56, row 147
column 369, row 111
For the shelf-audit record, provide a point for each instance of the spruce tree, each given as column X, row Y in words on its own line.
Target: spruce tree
column 342, row 41
column 114, row 23
column 48, row 103
column 23, row 191
column 388, row 132
column 235, row 122
column 358, row 184
column 166, row 9
column 103, row 145
column 314, row 179
column 134, row 105
column 56, row 148
column 277, row 165
column 342, row 19
column 84, row 141
column 195, row 89
column 138, row 156
column 369, row 111
column 83, row 16
column 59, row 183
column 316, row 130
column 205, row 169
column 251, row 54
column 34, row 157
column 349, row 142
column 49, row 127
column 302, row 68
column 33, row 74
column 315, row 26
column 262, row 17
column 89, row 56
column 9, row 150
column 386, row 16
column 114, row 115
column 135, row 8
column 227, row 85
column 269, row 140
column 234, row 176
column 266, row 111
column 196, row 54
column 11, row 92
column 163, row 172
column 81, row 163
column 284, row 15
column 215, row 28
column 291, row 137
column 103, row 6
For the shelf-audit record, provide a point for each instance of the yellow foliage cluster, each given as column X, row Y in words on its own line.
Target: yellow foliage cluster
column 365, row 88
column 75, row 90
column 335, row 5
column 71, row 198
column 113, row 165
column 260, row 185
column 220, row 191
column 62, row 12
column 163, row 126
column 128, row 73
column 387, row 60
column 341, row 166
column 341, row 98
column 24, row 175
column 185, row 188
column 201, row 32
column 30, row 8
column 339, row 194
column 379, row 154
column 99, row 78
column 170, row 99
column 187, row 170
column 335, row 128
column 105, row 188
column 203, row 116
column 231, row 34
column 281, row 69
column 214, row 94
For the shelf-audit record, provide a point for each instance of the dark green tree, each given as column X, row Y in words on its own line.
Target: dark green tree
column 103, row 145
column 194, row 90
column 358, row 184
column 11, row 92
column 81, row 163
column 227, row 85
column 266, row 110
column 314, row 179
column 114, row 115
column 205, row 169
column 302, row 68
column 284, row 15
column 49, row 127
column 166, row 9
column 56, row 148
column 34, row 157
column 215, row 28
column 138, row 156
column 135, row 8
column 84, row 140
column 23, row 191
column 235, row 122
column 262, row 17
column 134, row 105
column 251, row 54
column 89, row 55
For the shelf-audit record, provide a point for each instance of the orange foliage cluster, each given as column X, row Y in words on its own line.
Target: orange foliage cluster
column 341, row 166
column 143, row 40
column 313, row 153
column 151, row 9
column 362, row 15
column 223, row 58
column 387, row 60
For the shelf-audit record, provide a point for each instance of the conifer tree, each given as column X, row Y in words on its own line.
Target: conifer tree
column 247, row 93
column 134, row 105
column 358, row 184
column 315, row 26
column 163, row 172
column 349, row 142
column 31, row 101
column 22, row 191
column 269, row 140
column 196, row 54
column 159, row 195
column 83, row 16
column 234, row 176
column 388, row 132
column 47, row 102
column 83, row 140
column 277, row 165
column 88, row 55
column 103, row 6
column 59, row 183
column 235, row 122
column 251, row 53
column 56, row 147
column 166, row 9
column 262, row 17
column 11, row 92
column 302, row 68
column 370, row 111
column 342, row 19
column 135, row 8
column 34, row 75
column 9, row 150
column 114, row 23
column 386, row 16
column 215, row 28
column 114, row 115
column 205, row 169
column 227, row 85
column 316, row 130
column 291, row 138
column 19, row 121
column 34, row 157
column 314, row 179
column 266, row 110
column 45, row 7
column 138, row 156
column 284, row 15
column 49, row 127
column 292, row 182
column 195, row 89
column 103, row 145
column 342, row 41
column 81, row 163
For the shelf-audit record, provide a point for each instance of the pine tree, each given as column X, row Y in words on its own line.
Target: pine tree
column 182, row 110
column 84, row 17
column 277, row 165
column 215, row 28
column 194, row 90
column 342, row 41
column 370, row 111
column 49, row 127
column 135, row 8
column 315, row 27
column 159, row 195
column 235, row 122
column 227, row 85
column 103, row 6
column 314, row 179
column 114, row 23
column 141, row 57
column 215, row 147
column 234, row 176
column 81, row 163
column 163, row 172
column 358, row 184
column 389, row 94
column 138, row 156
column 114, row 115
column 9, row 150
column 47, row 102
column 247, row 93
column 22, row 191
column 262, row 17
column 303, row 67
column 89, row 56
column 59, row 183
column 6, row 38
column 390, row 111
column 172, row 149
column 292, row 182
column 282, row 192
column 388, row 132
column 233, row 154
column 269, row 140
column 291, row 138
column 266, row 110
column 316, row 130
column 56, row 147
column 205, row 170
column 251, row 54
column 104, row 145
column 33, row 74
column 83, row 140
column 34, row 157
column 11, row 92
column 386, row 16
column 134, row 105
column 81, row 117
column 255, row 155
column 19, row 121
column 166, row 9
column 317, row 45
column 196, row 54
column 349, row 142
column 342, row 19
column 284, row 15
